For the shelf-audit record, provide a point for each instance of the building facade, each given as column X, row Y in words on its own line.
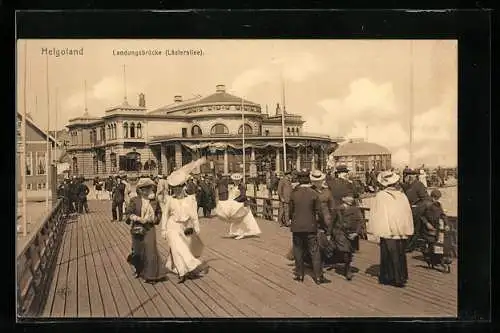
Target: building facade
column 361, row 156
column 36, row 155
column 133, row 139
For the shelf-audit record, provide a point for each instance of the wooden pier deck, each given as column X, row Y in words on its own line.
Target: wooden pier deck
column 248, row 278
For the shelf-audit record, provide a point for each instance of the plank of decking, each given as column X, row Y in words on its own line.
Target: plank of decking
column 107, row 275
column 83, row 288
column 109, row 308
column 96, row 301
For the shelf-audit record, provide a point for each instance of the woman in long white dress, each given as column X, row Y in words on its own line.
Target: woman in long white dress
column 180, row 227
column 233, row 211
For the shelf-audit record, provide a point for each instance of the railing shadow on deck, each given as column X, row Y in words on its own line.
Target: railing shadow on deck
column 35, row 264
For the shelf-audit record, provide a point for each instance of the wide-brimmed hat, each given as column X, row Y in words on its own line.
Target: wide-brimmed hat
column 177, row 178
column 386, row 178
column 317, row 175
column 288, row 173
column 342, row 168
column 122, row 174
column 236, row 176
column 144, row 182
column 303, row 176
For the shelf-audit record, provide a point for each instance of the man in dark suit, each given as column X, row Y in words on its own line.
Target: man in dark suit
column 305, row 206
column 118, row 198
column 83, row 191
column 284, row 192
column 222, row 186
column 340, row 186
column 418, row 197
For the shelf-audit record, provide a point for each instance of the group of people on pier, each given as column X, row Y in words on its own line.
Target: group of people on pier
column 74, row 194
column 172, row 204
column 323, row 211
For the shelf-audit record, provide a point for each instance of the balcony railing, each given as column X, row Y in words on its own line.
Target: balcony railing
column 232, row 136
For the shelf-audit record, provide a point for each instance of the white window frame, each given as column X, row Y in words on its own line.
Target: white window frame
column 45, row 173
column 30, row 159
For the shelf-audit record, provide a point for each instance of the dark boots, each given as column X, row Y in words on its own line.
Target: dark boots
column 347, row 267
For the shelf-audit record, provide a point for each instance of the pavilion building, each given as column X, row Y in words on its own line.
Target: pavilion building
column 133, row 139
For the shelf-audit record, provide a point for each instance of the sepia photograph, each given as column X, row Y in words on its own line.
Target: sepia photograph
column 236, row 178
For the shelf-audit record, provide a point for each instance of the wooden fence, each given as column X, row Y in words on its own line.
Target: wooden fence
column 35, row 264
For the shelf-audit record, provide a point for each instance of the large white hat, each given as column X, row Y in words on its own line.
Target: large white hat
column 145, row 182
column 317, row 175
column 386, row 178
column 181, row 175
column 177, row 178
column 236, row 176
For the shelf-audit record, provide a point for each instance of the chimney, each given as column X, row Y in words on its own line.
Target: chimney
column 278, row 109
column 142, row 100
column 220, row 88
column 177, row 98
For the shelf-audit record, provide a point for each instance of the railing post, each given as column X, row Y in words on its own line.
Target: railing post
column 53, row 183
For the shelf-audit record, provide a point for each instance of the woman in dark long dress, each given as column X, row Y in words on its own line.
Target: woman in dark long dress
column 391, row 220
column 143, row 213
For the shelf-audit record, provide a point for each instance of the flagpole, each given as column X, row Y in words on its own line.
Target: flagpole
column 23, row 153
column 55, row 130
column 411, row 105
column 243, row 137
column 48, row 140
column 283, row 125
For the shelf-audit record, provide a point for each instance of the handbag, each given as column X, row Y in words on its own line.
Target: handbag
column 138, row 230
column 188, row 231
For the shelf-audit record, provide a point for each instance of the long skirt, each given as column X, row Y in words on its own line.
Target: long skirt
column 146, row 258
column 242, row 222
column 393, row 266
column 181, row 259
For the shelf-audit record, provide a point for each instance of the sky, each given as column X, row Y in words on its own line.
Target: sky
column 343, row 88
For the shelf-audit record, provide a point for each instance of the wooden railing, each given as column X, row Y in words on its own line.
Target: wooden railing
column 35, row 264
column 270, row 212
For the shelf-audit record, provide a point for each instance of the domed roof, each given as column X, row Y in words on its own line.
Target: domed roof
column 219, row 97
column 358, row 148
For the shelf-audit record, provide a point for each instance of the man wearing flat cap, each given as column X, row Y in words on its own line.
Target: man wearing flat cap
column 305, row 206
column 284, row 190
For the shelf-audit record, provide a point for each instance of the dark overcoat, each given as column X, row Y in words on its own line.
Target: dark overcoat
column 305, row 206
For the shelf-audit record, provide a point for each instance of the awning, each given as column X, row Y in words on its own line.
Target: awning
column 224, row 145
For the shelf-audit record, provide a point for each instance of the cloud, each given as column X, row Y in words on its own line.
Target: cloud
column 438, row 123
column 366, row 100
column 372, row 104
column 294, row 67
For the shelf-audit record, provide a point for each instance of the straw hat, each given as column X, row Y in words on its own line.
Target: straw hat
column 122, row 174
column 236, row 176
column 145, row 182
column 386, row 178
column 317, row 176
column 348, row 200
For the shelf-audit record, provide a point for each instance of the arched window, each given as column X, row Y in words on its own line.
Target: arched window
column 91, row 137
column 219, row 129
column 108, row 128
column 112, row 159
column 139, row 130
column 113, row 127
column 75, row 165
column 96, row 164
column 132, row 130
column 248, row 129
column 196, row 131
column 125, row 130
